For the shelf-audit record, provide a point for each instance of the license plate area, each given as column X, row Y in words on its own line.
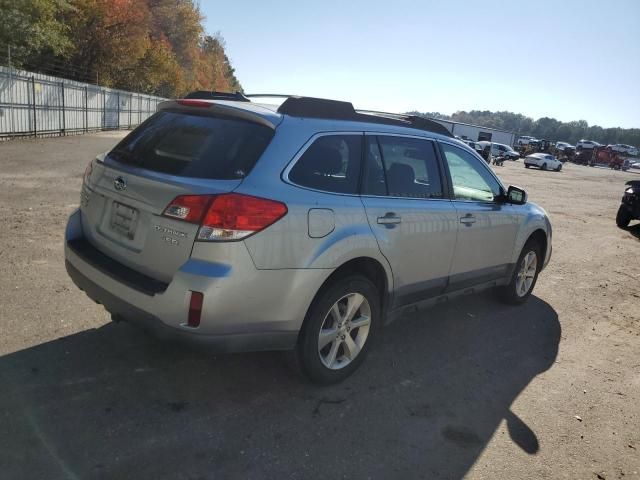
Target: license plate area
column 124, row 219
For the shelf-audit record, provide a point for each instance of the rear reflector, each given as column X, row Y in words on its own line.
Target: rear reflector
column 230, row 216
column 195, row 309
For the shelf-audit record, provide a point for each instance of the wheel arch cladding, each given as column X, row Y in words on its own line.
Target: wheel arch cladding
column 368, row 267
column 540, row 237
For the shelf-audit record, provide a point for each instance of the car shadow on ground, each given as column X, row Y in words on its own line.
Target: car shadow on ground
column 114, row 403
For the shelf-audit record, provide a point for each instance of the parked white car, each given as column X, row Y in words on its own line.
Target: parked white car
column 544, row 161
column 586, row 144
column 526, row 140
column 500, row 150
column 564, row 145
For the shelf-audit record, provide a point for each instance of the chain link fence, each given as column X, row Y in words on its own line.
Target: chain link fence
column 33, row 104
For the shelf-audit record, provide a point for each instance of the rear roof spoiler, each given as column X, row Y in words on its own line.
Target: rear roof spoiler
column 249, row 113
column 209, row 95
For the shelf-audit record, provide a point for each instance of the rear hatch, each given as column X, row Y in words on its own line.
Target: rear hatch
column 178, row 151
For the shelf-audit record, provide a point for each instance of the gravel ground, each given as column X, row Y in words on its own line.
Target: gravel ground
column 472, row 389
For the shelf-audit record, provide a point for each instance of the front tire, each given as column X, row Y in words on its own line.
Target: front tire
column 623, row 217
column 525, row 275
column 338, row 330
column 544, row 166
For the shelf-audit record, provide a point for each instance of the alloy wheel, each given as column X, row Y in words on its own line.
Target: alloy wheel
column 527, row 273
column 344, row 331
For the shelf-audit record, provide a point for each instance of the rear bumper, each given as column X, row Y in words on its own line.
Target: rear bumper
column 244, row 309
column 123, row 311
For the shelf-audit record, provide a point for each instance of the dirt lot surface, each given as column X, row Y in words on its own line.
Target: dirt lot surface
column 472, row 389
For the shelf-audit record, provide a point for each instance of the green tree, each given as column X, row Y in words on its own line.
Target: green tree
column 31, row 27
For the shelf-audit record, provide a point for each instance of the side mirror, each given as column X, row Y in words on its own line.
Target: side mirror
column 516, row 196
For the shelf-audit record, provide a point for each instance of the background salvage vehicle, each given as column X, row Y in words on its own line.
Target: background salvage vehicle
column 630, row 206
column 586, row 145
column 564, row 151
column 543, row 161
column 623, row 148
column 302, row 227
column 501, row 150
column 609, row 157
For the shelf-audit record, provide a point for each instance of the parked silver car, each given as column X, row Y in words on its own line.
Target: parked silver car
column 303, row 227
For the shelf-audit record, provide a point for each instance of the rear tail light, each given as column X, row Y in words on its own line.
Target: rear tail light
column 87, row 172
column 230, row 216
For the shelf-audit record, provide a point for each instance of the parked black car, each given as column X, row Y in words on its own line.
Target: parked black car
column 630, row 206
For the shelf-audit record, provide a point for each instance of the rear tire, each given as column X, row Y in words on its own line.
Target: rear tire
column 526, row 165
column 544, row 166
column 623, row 217
column 346, row 338
column 525, row 275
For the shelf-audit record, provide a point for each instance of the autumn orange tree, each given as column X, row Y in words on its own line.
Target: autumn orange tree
column 150, row 46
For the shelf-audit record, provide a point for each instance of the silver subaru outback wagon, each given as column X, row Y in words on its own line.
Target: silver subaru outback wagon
column 303, row 227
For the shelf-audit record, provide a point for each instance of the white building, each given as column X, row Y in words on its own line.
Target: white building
column 477, row 133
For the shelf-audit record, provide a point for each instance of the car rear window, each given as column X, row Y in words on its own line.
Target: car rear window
column 194, row 145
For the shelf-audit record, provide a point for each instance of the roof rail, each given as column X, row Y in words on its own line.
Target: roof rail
column 269, row 95
column 338, row 110
column 312, row 107
column 212, row 95
column 317, row 108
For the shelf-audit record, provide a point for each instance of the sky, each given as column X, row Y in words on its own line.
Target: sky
column 565, row 59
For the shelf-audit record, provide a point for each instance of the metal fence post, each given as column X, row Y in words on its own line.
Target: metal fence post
column 118, row 112
column 104, row 110
column 86, row 109
column 130, row 107
column 33, row 95
column 64, row 123
column 11, row 85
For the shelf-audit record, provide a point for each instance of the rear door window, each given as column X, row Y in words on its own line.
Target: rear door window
column 194, row 145
column 373, row 182
column 330, row 164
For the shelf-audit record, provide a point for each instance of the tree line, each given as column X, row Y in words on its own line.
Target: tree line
column 543, row 128
column 150, row 46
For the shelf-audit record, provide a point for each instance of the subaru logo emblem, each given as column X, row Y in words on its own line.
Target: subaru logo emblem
column 120, row 183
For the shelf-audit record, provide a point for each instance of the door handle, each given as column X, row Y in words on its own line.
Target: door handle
column 389, row 218
column 468, row 220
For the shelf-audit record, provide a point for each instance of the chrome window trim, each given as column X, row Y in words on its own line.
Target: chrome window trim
column 314, row 137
